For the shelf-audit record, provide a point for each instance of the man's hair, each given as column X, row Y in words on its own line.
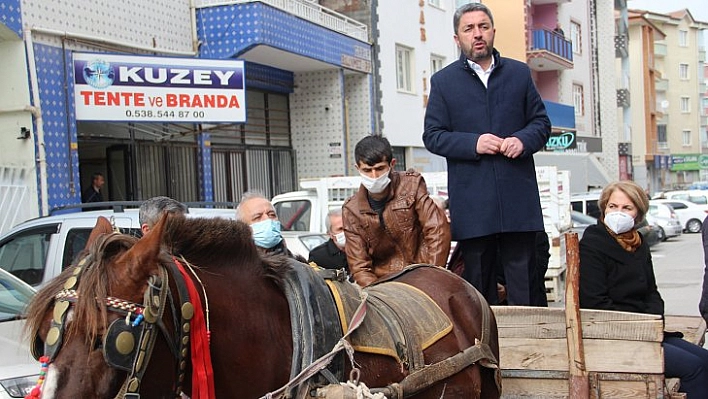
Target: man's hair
column 635, row 193
column 248, row 195
column 328, row 219
column 96, row 175
column 372, row 150
column 469, row 7
column 152, row 209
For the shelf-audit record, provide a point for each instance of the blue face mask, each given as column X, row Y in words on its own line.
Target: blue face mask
column 266, row 233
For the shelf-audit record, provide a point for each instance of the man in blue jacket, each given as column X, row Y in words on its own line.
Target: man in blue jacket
column 487, row 119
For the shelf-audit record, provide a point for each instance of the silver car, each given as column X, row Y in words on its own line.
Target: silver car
column 19, row 372
column 663, row 216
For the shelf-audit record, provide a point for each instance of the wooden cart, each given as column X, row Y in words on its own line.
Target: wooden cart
column 615, row 354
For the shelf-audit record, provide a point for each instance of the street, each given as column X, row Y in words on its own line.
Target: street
column 678, row 266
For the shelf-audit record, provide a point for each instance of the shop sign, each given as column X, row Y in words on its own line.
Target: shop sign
column 109, row 87
column 683, row 162
column 561, row 141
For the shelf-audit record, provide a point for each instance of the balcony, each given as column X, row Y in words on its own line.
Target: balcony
column 659, row 50
column 307, row 10
column 623, row 98
column 549, row 51
column 661, row 85
column 622, row 46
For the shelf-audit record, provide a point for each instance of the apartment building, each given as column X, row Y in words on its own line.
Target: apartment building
column 666, row 62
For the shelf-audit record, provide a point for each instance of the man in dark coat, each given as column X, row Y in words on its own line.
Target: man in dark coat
column 485, row 116
column 93, row 192
column 330, row 254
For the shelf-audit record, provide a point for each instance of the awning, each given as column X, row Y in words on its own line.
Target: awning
column 586, row 171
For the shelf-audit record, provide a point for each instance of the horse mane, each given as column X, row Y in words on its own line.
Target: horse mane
column 219, row 242
column 93, row 286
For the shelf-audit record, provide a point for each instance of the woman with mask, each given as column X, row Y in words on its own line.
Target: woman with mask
column 391, row 222
column 616, row 273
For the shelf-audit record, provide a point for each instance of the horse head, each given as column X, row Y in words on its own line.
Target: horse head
column 89, row 322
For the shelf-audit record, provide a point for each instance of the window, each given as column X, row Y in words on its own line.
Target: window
column 437, row 63
column 683, row 71
column 575, row 37
column 683, row 38
column 24, row 255
column 686, row 138
column 435, row 3
column 685, row 104
column 578, row 100
column 294, row 215
column 661, row 136
column 404, row 68
column 400, row 154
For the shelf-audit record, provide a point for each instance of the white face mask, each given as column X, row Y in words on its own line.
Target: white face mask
column 375, row 185
column 340, row 239
column 619, row 222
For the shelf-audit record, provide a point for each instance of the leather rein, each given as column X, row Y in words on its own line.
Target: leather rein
column 128, row 342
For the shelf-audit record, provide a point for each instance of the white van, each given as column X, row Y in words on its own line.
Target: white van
column 586, row 203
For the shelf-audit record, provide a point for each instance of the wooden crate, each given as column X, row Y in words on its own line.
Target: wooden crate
column 623, row 353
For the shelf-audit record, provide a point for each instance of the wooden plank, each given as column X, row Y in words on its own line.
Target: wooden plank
column 600, row 355
column 692, row 327
column 544, row 323
column 612, row 385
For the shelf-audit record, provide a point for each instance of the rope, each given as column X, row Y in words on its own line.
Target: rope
column 362, row 391
column 326, row 359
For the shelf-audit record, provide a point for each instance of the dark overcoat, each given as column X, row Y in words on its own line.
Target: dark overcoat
column 612, row 278
column 489, row 194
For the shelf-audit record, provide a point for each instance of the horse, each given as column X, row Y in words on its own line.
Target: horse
column 117, row 324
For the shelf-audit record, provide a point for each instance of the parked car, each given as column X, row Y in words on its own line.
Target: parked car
column 664, row 216
column 586, row 203
column 301, row 243
column 38, row 250
column 691, row 215
column 699, row 197
column 580, row 222
column 19, row 372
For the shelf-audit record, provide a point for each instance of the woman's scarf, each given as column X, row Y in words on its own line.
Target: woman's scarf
column 630, row 240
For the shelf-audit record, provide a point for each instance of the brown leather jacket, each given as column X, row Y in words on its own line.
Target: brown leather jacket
column 416, row 230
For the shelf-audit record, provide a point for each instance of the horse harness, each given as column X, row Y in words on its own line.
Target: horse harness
column 128, row 342
column 301, row 286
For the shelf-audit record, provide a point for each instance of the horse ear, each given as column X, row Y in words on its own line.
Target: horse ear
column 146, row 252
column 103, row 226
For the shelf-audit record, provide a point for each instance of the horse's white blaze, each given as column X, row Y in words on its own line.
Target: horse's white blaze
column 49, row 388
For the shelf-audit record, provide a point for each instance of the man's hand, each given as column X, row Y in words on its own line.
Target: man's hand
column 511, row 147
column 489, row 144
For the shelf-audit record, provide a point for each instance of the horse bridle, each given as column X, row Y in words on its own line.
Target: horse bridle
column 128, row 342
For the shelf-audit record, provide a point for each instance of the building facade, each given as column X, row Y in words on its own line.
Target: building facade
column 308, row 88
column 667, row 58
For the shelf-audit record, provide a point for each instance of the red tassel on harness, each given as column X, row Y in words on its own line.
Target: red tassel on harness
column 202, row 371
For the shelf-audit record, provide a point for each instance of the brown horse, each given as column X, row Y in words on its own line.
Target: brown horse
column 78, row 320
